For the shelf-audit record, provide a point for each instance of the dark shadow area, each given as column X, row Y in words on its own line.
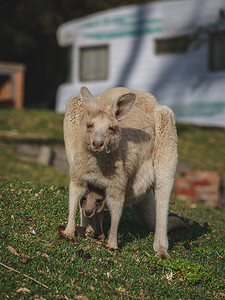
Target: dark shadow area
column 187, row 235
column 130, row 229
column 6, row 104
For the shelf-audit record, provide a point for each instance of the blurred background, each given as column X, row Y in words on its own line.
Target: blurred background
column 172, row 49
column 28, row 36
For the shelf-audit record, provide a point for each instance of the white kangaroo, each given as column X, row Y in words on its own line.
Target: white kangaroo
column 124, row 143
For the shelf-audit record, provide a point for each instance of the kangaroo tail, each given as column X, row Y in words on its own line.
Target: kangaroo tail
column 175, row 223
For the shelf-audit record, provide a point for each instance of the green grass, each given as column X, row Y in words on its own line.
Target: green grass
column 29, row 126
column 203, row 147
column 37, row 196
column 87, row 268
column 44, row 122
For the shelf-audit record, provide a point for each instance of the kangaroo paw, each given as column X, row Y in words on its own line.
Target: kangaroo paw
column 63, row 234
column 163, row 255
column 111, row 247
column 60, row 230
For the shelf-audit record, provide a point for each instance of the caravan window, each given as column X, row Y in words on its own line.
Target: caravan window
column 172, row 45
column 93, row 63
column 216, row 51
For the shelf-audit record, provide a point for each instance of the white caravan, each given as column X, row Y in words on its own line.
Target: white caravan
column 172, row 49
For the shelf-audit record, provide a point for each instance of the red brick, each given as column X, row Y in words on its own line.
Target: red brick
column 201, row 183
column 186, row 192
column 182, row 182
column 199, row 186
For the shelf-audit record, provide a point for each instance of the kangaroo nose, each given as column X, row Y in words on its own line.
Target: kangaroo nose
column 97, row 144
column 88, row 213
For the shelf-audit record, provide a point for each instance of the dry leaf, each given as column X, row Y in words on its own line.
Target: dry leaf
column 168, row 276
column 24, row 290
column 25, row 255
column 87, row 247
column 89, row 231
column 31, row 230
column 45, row 255
column 136, row 248
column 153, row 266
column 12, row 250
column 25, row 258
column 121, row 289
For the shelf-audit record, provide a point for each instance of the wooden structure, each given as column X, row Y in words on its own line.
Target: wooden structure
column 12, row 84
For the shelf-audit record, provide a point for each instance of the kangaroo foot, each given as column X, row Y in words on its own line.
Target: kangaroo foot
column 163, row 255
column 63, row 234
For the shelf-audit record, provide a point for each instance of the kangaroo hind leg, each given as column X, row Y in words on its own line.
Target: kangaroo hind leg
column 165, row 161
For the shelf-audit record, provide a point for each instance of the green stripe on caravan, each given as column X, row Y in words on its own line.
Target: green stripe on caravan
column 130, row 21
column 198, row 109
column 120, row 34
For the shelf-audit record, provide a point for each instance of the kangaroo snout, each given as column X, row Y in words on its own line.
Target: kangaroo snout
column 88, row 213
column 97, row 145
column 98, row 142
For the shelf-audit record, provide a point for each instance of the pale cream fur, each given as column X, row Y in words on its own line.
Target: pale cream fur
column 125, row 143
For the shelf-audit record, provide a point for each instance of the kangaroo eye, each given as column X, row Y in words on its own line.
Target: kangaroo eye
column 99, row 201
column 89, row 125
column 112, row 128
column 83, row 199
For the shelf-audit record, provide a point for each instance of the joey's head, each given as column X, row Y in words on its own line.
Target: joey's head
column 101, row 130
column 93, row 202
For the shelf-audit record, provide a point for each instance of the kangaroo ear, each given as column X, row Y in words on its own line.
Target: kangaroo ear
column 124, row 105
column 86, row 96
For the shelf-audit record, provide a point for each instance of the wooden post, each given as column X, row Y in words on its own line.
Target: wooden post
column 12, row 87
column 18, row 78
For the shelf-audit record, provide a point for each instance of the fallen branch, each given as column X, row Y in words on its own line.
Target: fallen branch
column 14, row 270
column 146, row 253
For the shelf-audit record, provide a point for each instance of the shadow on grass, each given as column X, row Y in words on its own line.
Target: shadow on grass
column 130, row 229
column 192, row 233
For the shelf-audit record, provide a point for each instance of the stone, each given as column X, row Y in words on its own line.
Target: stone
column 45, row 155
column 28, row 150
